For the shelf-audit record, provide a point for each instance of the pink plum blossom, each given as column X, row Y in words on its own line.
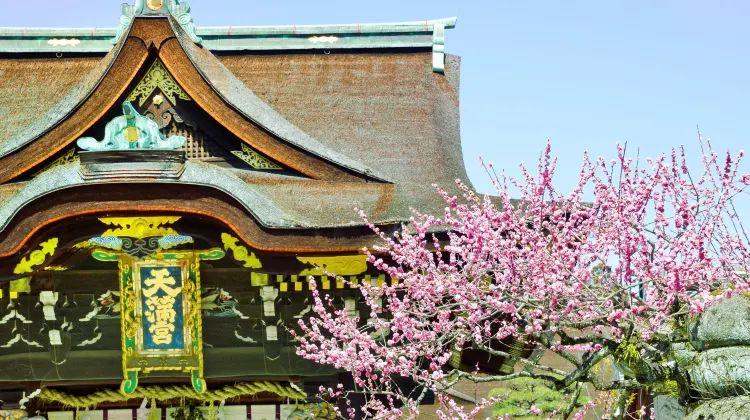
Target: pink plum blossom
column 631, row 251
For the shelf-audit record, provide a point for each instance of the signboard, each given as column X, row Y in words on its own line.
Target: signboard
column 161, row 314
column 163, row 308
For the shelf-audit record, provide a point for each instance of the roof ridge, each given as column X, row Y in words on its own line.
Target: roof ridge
column 359, row 28
column 410, row 34
column 232, row 30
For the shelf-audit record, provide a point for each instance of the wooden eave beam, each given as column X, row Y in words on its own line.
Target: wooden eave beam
column 64, row 209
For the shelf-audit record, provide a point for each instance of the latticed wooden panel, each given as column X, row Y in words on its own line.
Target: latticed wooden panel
column 198, row 146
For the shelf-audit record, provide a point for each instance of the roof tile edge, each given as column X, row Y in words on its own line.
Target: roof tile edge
column 424, row 26
column 414, row 34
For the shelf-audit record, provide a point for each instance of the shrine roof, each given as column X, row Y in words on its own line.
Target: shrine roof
column 275, row 201
column 244, row 100
column 388, row 110
column 381, row 102
column 36, row 93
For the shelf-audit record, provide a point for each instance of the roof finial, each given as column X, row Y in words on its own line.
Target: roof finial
column 179, row 11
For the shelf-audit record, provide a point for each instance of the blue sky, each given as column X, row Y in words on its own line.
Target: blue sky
column 584, row 74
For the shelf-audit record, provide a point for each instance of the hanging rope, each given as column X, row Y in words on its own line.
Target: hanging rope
column 159, row 393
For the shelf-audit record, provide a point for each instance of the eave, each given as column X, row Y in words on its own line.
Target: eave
column 418, row 34
column 251, row 197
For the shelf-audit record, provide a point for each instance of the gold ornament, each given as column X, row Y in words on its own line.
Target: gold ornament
column 154, row 4
column 254, row 159
column 347, row 265
column 69, row 157
column 240, row 253
column 21, row 285
column 37, row 257
column 131, row 134
column 149, row 291
column 157, row 77
column 56, row 268
column 140, row 227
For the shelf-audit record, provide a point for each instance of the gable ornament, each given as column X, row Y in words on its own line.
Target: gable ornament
column 157, row 77
column 131, row 130
column 180, row 11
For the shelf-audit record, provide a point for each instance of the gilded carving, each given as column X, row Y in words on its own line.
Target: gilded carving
column 347, row 265
column 139, row 227
column 254, row 159
column 85, row 245
column 159, row 299
column 161, row 316
column 180, row 11
column 316, row 411
column 154, row 4
column 160, row 308
column 69, row 157
column 239, row 252
column 37, row 257
column 102, row 255
column 56, row 268
column 22, row 285
column 157, row 77
column 138, row 237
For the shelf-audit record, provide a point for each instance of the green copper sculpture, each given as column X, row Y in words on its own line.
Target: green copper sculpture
column 180, row 11
column 131, row 131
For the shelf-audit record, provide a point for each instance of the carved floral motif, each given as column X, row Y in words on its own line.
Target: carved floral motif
column 69, row 157
column 254, row 159
column 239, row 252
column 37, row 257
column 157, row 77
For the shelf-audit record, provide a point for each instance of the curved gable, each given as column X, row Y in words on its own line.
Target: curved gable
column 240, row 112
column 69, row 119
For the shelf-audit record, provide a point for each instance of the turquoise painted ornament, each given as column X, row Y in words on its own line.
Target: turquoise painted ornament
column 171, row 241
column 109, row 242
column 180, row 11
column 131, row 131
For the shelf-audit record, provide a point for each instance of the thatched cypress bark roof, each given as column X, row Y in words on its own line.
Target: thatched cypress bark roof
column 372, row 128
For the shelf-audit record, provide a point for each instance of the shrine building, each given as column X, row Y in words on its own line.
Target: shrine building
column 166, row 190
